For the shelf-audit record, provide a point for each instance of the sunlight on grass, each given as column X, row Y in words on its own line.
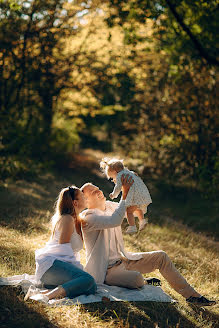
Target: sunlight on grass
column 17, row 251
column 25, row 227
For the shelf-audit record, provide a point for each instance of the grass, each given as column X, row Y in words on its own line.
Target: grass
column 187, row 205
column 26, row 207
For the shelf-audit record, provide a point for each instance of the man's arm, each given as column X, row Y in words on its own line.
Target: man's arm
column 93, row 221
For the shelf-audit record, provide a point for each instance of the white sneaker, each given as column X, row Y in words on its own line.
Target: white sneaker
column 142, row 224
column 131, row 229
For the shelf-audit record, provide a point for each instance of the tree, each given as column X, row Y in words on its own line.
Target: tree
column 183, row 28
column 34, row 69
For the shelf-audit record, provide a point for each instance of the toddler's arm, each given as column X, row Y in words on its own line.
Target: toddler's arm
column 117, row 189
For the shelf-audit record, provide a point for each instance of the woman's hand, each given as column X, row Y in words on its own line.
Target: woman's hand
column 127, row 182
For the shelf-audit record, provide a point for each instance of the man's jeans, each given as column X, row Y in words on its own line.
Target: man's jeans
column 74, row 280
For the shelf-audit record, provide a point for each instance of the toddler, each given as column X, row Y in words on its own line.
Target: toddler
column 138, row 197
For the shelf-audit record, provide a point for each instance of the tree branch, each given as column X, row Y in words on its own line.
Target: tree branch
column 202, row 52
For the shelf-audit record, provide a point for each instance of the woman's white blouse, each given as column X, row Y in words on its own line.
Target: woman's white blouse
column 68, row 252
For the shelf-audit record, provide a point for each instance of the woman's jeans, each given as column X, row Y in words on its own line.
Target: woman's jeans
column 74, row 280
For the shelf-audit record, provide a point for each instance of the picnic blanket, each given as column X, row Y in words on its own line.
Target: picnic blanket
column 113, row 293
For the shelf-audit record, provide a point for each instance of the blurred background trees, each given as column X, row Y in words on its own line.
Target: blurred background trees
column 138, row 77
column 34, row 70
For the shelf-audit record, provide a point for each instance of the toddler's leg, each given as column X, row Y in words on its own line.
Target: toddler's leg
column 131, row 219
column 130, row 215
column 142, row 222
column 139, row 213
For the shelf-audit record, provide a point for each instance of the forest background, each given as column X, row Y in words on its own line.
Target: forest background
column 135, row 77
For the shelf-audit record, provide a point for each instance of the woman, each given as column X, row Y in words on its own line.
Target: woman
column 58, row 264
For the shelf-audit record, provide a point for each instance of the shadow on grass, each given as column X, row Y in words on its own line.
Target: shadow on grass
column 181, row 203
column 186, row 205
column 26, row 205
column 14, row 312
column 139, row 314
column 206, row 314
column 20, row 203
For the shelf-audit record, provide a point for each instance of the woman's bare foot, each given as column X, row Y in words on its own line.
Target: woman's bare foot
column 45, row 291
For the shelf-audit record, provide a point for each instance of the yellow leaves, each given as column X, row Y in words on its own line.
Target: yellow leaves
column 168, row 140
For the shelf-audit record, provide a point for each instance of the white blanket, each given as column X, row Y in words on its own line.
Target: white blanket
column 114, row 293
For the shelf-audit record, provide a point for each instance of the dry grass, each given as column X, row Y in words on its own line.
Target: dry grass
column 25, row 211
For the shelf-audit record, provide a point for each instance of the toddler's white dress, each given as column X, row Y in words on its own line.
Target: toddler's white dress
column 138, row 193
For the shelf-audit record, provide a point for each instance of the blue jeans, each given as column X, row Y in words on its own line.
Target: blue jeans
column 74, row 280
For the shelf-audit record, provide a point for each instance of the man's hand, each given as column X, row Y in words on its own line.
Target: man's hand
column 127, row 182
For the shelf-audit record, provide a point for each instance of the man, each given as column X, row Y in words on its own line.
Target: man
column 106, row 259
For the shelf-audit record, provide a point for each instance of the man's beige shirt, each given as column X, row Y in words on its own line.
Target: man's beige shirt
column 97, row 238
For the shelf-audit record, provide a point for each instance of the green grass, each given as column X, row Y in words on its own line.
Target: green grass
column 26, row 207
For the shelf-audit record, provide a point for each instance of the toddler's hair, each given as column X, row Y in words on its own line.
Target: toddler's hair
column 114, row 164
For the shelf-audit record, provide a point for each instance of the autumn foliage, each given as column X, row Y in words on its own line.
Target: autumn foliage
column 135, row 76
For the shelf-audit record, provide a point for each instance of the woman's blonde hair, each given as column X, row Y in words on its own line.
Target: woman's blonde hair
column 64, row 205
column 109, row 164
